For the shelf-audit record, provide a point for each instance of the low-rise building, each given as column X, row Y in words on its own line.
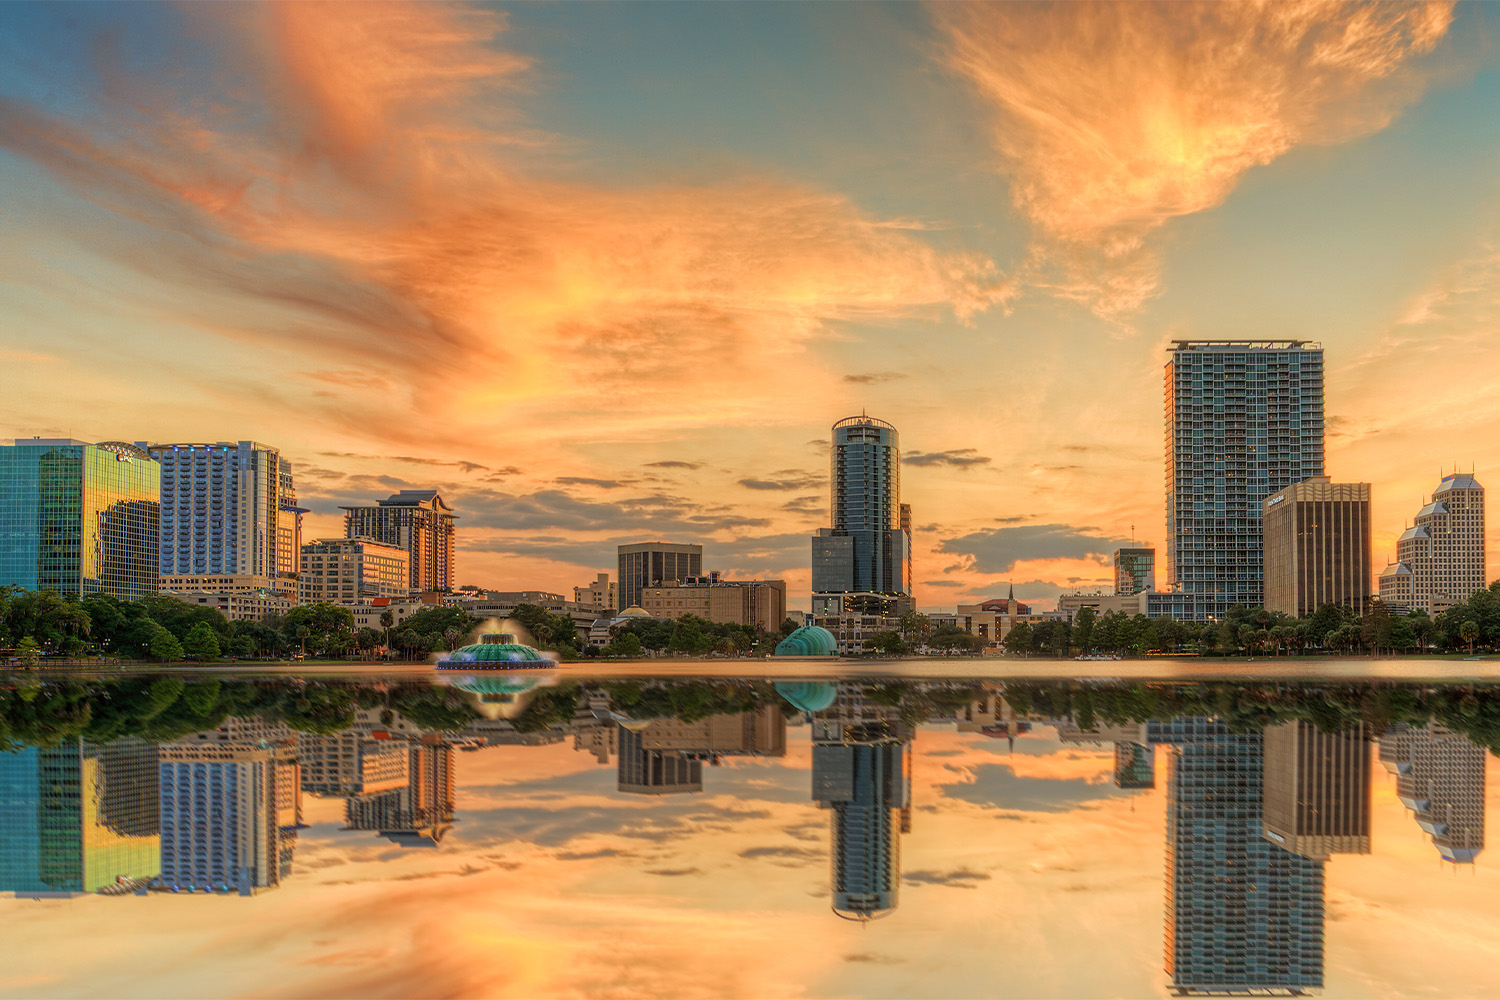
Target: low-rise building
column 1068, row 605
column 757, row 603
column 251, row 606
column 600, row 594
column 351, row 571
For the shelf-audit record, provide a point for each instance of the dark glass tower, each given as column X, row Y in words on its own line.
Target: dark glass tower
column 1244, row 420
column 866, row 555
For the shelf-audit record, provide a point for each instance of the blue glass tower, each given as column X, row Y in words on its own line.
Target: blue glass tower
column 1244, row 420
column 863, row 562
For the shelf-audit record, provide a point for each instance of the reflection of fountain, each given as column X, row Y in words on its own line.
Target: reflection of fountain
column 496, row 651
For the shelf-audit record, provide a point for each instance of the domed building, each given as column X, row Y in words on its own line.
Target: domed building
column 810, row 640
column 496, row 651
column 808, row 696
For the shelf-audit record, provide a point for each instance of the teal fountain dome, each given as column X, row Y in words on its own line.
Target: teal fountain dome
column 496, row 651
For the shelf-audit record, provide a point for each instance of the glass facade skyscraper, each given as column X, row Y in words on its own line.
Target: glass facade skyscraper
column 79, row 518
column 1243, row 420
column 863, row 562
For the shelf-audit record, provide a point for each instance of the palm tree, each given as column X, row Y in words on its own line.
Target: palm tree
column 387, row 619
column 1468, row 632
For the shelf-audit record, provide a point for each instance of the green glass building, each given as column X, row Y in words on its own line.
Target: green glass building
column 79, row 518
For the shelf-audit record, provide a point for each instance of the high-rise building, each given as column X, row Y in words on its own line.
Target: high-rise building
column 655, row 772
column 1440, row 778
column 417, row 521
column 350, row 763
column 1135, row 571
column 1244, row 420
column 227, row 509
column 79, row 518
column 650, row 564
column 862, row 564
column 79, row 817
column 1316, row 799
column 1440, row 558
column 288, row 525
column 229, row 816
column 419, row 812
column 352, row 571
column 1243, row 915
column 600, row 594
column 1316, row 539
column 1134, row 765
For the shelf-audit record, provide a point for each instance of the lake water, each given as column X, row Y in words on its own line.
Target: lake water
column 754, row 829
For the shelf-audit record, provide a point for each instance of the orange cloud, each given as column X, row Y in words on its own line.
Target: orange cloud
column 1113, row 118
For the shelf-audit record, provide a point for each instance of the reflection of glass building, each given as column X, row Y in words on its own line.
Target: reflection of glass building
column 1316, row 799
column 78, row 818
column 861, row 771
column 655, row 772
column 862, row 564
column 1134, row 765
column 229, row 817
column 79, row 518
column 1440, row 778
column 1243, row 915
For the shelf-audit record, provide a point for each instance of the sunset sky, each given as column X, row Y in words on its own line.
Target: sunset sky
column 609, row 273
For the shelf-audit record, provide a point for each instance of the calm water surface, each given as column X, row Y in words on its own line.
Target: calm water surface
column 827, row 830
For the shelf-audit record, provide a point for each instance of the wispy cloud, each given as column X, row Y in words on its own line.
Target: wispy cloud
column 961, row 458
column 1113, row 118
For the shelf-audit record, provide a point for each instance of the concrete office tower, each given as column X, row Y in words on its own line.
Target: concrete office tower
column 80, row 518
column 600, row 594
column 229, row 816
column 655, row 772
column 225, row 509
column 1316, row 799
column 1440, row 778
column 417, row 521
column 352, row 571
column 1440, row 558
column 80, row 817
column 1243, row 916
column 649, row 564
column 1244, row 420
column 862, row 564
column 1135, row 571
column 1316, row 538
column 288, row 525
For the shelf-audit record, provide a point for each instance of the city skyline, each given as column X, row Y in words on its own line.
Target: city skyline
column 502, row 253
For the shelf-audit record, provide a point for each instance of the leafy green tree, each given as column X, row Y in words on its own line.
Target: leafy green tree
column 788, row 626
column 1468, row 632
column 1083, row 629
column 888, row 643
column 164, row 646
column 28, row 650
column 915, row 627
column 242, row 647
column 626, row 644
column 201, row 643
column 952, row 639
column 1018, row 639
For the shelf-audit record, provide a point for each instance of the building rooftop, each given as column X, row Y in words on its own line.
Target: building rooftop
column 1457, row 481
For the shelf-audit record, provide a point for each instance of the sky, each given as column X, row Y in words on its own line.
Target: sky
column 609, row 273
column 1025, row 874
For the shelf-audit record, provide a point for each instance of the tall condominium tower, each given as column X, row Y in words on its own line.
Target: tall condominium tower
column 1316, row 538
column 79, row 518
column 228, row 509
column 1243, row 915
column 1135, row 571
column 1440, row 778
column 288, row 525
column 79, row 817
column 649, row 564
column 417, row 521
column 863, row 562
column 1316, row 799
column 1244, row 420
column 229, row 816
column 1440, row 558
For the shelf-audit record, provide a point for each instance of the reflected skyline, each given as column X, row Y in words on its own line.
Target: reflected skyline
column 868, row 778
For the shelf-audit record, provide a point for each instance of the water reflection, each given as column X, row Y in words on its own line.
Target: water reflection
column 156, row 786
